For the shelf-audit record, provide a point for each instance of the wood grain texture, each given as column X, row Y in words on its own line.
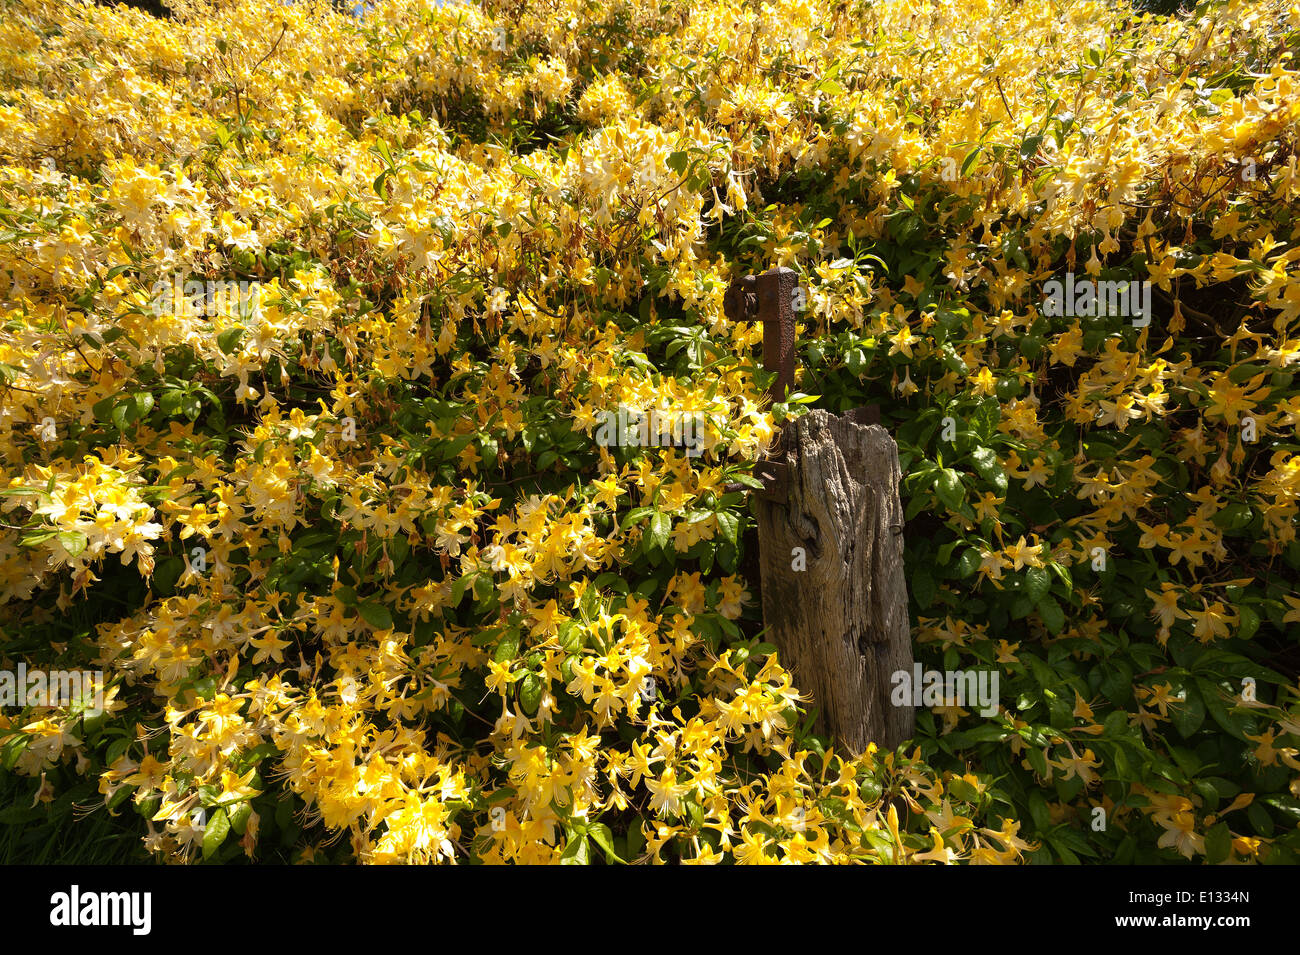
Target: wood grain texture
column 841, row 625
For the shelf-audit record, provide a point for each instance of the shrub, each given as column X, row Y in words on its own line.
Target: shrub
column 344, row 543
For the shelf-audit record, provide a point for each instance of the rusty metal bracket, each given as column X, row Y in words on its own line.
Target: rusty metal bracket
column 775, row 477
column 740, row 304
column 769, row 298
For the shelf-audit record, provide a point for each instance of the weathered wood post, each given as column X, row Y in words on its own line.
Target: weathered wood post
column 830, row 546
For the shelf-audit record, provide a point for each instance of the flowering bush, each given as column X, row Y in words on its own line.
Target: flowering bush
column 354, row 564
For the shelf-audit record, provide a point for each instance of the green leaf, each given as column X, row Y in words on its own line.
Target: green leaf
column 122, row 415
column 635, row 839
column 1052, row 614
column 1074, row 840
column 375, row 614
column 239, row 815
column 1218, row 843
column 1233, row 517
column 170, row 402
column 611, row 581
column 1249, row 622
column 950, row 489
column 856, row 360
column 985, row 460
column 729, row 524
column 989, row 468
column 1037, row 760
column 924, row 589
column 228, row 339
column 1037, row 583
column 458, row 588
column 214, row 834
column 635, row 516
column 602, row 836
column 1260, row 821
column 1188, row 714
column 1285, row 805
column 530, row 693
column 661, row 526
column 967, row 565
column 74, row 542
column 1039, row 812
column 32, row 538
column 988, row 733
column 507, row 647
column 16, row 815
column 570, row 636
column 576, row 852
column 1212, row 698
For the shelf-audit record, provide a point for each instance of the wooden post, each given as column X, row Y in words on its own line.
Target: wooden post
column 775, row 306
column 831, row 566
column 830, row 540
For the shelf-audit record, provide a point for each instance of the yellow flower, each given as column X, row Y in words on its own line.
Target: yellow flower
column 1022, row 554
column 984, row 382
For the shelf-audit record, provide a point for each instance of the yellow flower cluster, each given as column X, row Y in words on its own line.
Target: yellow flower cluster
column 375, row 575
